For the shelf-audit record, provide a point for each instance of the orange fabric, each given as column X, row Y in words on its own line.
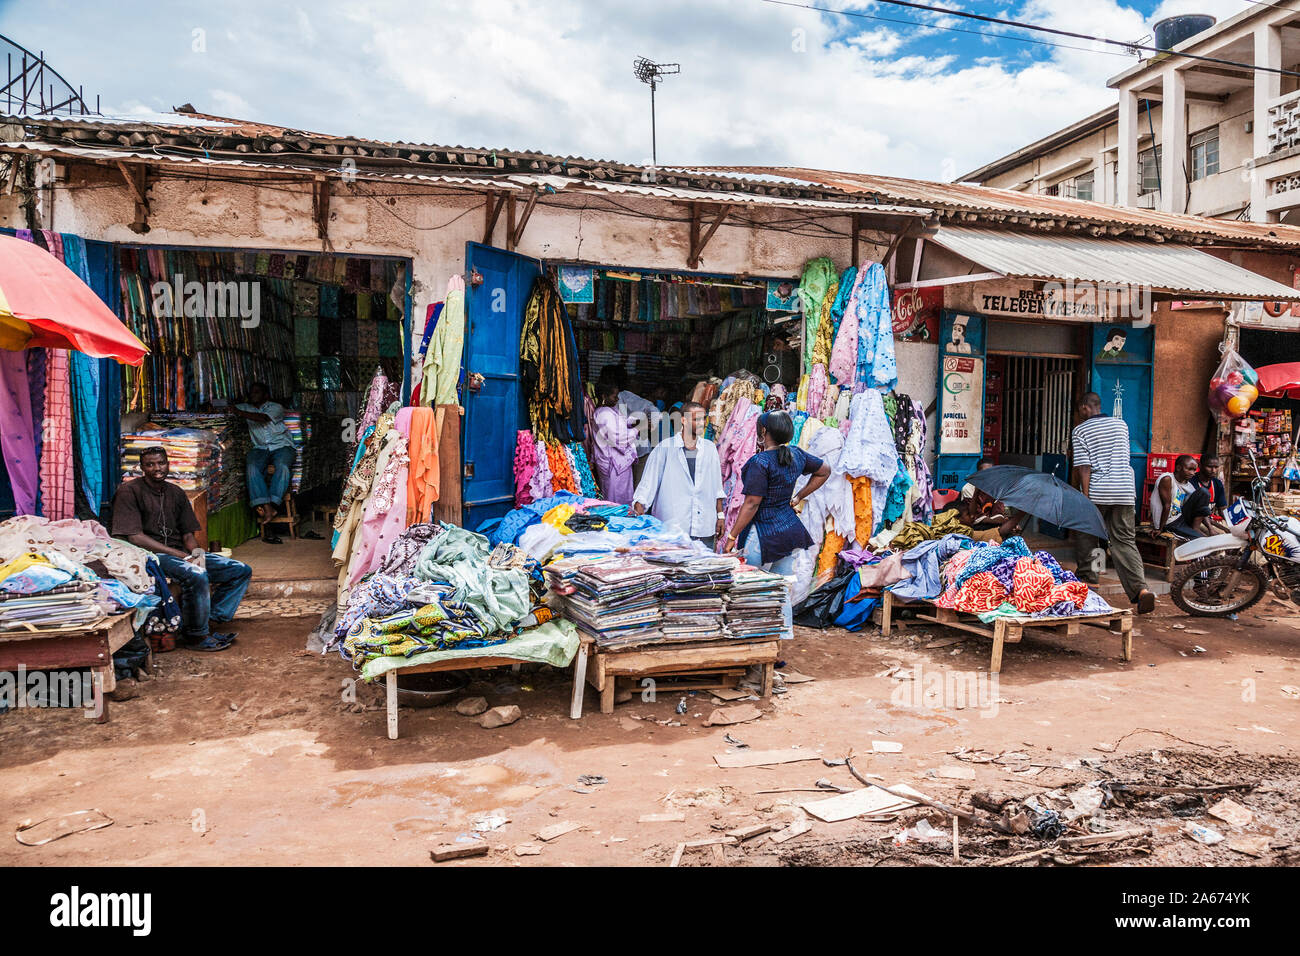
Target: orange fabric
column 862, row 516
column 422, row 481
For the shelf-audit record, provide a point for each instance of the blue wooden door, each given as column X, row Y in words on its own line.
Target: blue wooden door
column 494, row 311
column 1121, row 375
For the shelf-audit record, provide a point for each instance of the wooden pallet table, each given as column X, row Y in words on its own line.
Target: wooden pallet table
column 455, row 664
column 604, row 667
column 1010, row 630
column 71, row 648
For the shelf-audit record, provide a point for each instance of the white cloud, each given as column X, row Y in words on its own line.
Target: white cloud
column 760, row 84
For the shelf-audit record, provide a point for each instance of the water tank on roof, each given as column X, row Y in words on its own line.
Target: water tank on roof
column 1172, row 31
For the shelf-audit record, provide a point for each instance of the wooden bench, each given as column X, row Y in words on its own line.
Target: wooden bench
column 1010, row 630
column 677, row 659
column 46, row 649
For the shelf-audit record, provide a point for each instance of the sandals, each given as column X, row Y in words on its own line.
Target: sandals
column 271, row 538
column 212, row 643
column 1146, row 602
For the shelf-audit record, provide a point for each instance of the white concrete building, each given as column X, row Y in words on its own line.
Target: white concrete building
column 1234, row 131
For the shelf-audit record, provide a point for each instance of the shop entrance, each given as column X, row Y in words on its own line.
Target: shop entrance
column 671, row 336
column 1030, row 402
column 313, row 328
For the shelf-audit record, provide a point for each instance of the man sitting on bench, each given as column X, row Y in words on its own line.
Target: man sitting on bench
column 154, row 514
column 272, row 446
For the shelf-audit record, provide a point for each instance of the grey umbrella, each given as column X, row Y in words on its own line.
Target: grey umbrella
column 1041, row 495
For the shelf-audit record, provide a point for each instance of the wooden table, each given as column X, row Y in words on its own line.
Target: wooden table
column 1006, row 630
column 603, row 667
column 455, row 664
column 68, row 648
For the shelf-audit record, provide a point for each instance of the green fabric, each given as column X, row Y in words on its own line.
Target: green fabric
column 554, row 643
column 232, row 525
column 818, row 274
column 498, row 596
column 442, row 361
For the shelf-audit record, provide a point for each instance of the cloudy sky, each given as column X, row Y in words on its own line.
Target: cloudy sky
column 873, row 88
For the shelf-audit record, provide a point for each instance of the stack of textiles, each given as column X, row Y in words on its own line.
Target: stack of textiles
column 229, row 451
column 194, row 457
column 996, row 580
column 756, row 604
column 66, row 605
column 693, row 598
column 616, row 601
column 458, row 593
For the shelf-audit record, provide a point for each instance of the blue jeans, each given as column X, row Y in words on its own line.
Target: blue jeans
column 259, row 493
column 210, row 596
column 753, row 554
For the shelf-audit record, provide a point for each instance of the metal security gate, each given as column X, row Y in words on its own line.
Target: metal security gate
column 1037, row 397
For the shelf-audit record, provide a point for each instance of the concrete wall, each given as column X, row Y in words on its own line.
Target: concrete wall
column 1224, row 193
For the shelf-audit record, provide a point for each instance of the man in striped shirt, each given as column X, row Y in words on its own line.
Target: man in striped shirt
column 1105, row 475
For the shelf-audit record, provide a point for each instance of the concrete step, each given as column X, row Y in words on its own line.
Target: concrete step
column 312, row 589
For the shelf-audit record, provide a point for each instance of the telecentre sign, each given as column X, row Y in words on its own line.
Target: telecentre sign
column 1069, row 301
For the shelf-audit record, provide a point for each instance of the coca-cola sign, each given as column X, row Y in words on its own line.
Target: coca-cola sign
column 916, row 314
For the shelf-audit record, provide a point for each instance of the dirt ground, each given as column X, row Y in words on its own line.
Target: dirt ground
column 253, row 756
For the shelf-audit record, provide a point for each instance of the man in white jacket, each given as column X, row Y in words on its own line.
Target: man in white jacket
column 682, row 481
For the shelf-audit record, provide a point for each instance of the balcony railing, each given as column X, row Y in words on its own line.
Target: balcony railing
column 1284, row 122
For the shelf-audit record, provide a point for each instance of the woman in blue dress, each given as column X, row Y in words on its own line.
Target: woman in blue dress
column 768, row 531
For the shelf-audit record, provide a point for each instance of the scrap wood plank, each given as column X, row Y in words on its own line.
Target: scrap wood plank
column 458, row 851
column 557, row 830
column 762, row 758
column 856, row 803
column 798, row 828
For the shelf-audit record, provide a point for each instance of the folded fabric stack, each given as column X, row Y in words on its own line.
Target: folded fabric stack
column 755, row 604
column 693, row 598
column 66, row 605
column 1007, row 580
column 193, row 455
column 616, row 601
column 456, row 594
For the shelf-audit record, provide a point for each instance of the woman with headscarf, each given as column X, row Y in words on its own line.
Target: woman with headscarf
column 615, row 441
column 768, row 531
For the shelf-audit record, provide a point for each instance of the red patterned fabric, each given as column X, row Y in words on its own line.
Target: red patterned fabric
column 1076, row 592
column 1031, row 586
column 982, row 592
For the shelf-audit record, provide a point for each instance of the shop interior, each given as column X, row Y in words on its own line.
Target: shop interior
column 670, row 330
column 1269, row 429
column 314, row 328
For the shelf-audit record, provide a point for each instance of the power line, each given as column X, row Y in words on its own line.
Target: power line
column 1016, row 24
column 934, row 26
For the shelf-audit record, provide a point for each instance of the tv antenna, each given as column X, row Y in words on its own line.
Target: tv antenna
column 648, row 72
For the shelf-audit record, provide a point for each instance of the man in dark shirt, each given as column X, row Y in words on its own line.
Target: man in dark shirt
column 154, row 514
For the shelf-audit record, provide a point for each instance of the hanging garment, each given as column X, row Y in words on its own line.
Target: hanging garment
column 548, row 365
column 869, row 446
column 422, row 475
column 821, row 347
column 863, row 515
column 447, row 422
column 442, row 361
column 542, row 485
column 818, row 274
column 843, row 289
column 84, row 374
column 844, row 352
column 17, row 437
column 525, row 467
column 56, row 467
column 876, row 364
column 834, row 499
column 384, row 515
column 817, row 385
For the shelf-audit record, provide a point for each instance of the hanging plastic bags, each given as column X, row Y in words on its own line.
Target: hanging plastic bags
column 1233, row 387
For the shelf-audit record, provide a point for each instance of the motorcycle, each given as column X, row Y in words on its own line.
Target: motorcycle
column 1228, row 573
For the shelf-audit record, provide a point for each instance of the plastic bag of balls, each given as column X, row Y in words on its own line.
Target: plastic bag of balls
column 1234, row 386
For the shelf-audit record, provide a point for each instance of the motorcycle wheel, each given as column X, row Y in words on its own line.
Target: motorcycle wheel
column 1217, row 586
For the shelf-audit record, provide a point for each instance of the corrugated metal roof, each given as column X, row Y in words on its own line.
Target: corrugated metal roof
column 656, row 191
column 164, row 159
column 986, row 199
column 1176, row 269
